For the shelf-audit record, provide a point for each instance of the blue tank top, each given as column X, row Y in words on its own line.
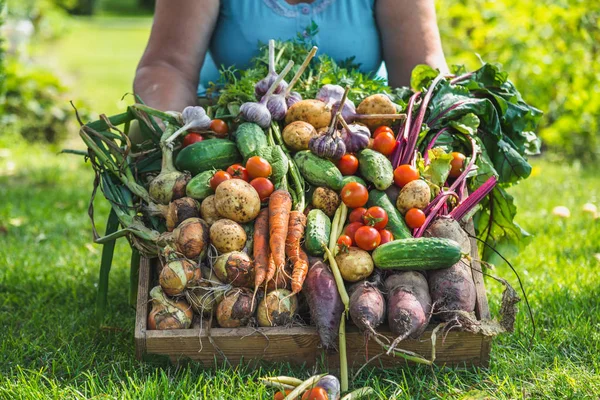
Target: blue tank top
column 345, row 29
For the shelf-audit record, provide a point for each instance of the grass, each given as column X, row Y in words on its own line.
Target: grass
column 51, row 348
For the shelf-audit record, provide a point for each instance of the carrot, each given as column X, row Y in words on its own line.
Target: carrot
column 271, row 268
column 280, row 205
column 261, row 248
column 300, row 271
column 296, row 226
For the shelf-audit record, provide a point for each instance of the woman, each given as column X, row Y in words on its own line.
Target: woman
column 402, row 33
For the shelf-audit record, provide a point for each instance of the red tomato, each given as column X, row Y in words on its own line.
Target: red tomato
column 357, row 214
column 218, row 177
column 382, row 128
column 376, row 217
column 351, row 229
column 405, row 173
column 348, row 164
column 219, row 127
column 192, row 137
column 354, row 195
column 457, row 164
column 414, row 218
column 263, row 186
column 385, row 143
column 281, row 395
column 344, row 241
column 317, row 393
column 367, row 238
column 237, row 171
column 258, row 167
column 386, row 236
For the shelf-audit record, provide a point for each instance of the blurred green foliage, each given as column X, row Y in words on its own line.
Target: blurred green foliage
column 551, row 49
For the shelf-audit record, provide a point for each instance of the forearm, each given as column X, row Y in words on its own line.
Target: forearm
column 410, row 36
column 162, row 86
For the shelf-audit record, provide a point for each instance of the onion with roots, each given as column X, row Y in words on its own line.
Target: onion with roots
column 167, row 313
column 277, row 308
column 235, row 268
column 178, row 274
column 191, row 238
column 236, row 308
column 176, row 212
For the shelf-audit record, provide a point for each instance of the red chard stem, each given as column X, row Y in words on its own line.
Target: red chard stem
column 465, row 206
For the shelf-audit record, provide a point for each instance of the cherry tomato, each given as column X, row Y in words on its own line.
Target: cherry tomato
column 237, row 171
column 414, row 218
column 457, row 164
column 344, row 241
column 281, row 395
column 376, row 217
column 405, row 173
column 258, row 167
column 317, row 393
column 367, row 238
column 382, row 128
column 218, row 177
column 219, row 127
column 354, row 194
column 385, row 143
column 192, row 137
column 348, row 164
column 357, row 214
column 263, row 187
column 386, row 236
column 351, row 229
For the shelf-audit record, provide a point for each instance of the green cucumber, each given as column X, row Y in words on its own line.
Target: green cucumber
column 376, row 168
column 318, row 171
column 396, row 223
column 199, row 186
column 249, row 137
column 417, row 254
column 318, row 229
column 207, row 155
column 352, row 178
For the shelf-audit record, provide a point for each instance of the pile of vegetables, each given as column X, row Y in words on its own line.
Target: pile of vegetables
column 275, row 206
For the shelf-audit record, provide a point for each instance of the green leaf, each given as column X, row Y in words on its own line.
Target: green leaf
column 467, row 124
column 439, row 167
column 112, row 225
column 421, row 77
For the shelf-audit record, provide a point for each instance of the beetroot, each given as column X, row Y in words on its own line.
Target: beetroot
column 324, row 301
column 409, row 304
column 367, row 307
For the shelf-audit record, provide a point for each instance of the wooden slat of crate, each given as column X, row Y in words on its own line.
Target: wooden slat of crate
column 300, row 345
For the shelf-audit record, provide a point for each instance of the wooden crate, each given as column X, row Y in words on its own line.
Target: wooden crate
column 300, row 345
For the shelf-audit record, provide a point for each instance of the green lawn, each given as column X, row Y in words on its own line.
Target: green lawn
column 50, row 347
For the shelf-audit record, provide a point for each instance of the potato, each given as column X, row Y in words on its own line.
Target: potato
column 297, row 135
column 227, row 235
column 354, row 264
column 415, row 194
column 237, row 200
column 376, row 104
column 208, row 210
column 326, row 200
column 315, row 112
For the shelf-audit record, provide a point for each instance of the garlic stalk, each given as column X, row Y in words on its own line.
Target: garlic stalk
column 194, row 117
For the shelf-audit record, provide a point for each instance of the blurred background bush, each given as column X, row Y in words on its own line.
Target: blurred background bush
column 550, row 47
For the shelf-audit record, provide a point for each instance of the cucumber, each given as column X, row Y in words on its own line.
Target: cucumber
column 318, row 229
column 318, row 171
column 352, row 178
column 396, row 223
column 199, row 187
column 376, row 168
column 249, row 137
column 207, row 155
column 417, row 254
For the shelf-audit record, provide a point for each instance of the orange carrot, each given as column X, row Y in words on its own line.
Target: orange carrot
column 280, row 205
column 271, row 267
column 300, row 272
column 261, row 247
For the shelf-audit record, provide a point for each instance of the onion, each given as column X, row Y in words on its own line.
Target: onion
column 178, row 274
column 236, row 308
column 235, row 268
column 167, row 313
column 209, row 292
column 176, row 212
column 277, row 308
column 191, row 238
